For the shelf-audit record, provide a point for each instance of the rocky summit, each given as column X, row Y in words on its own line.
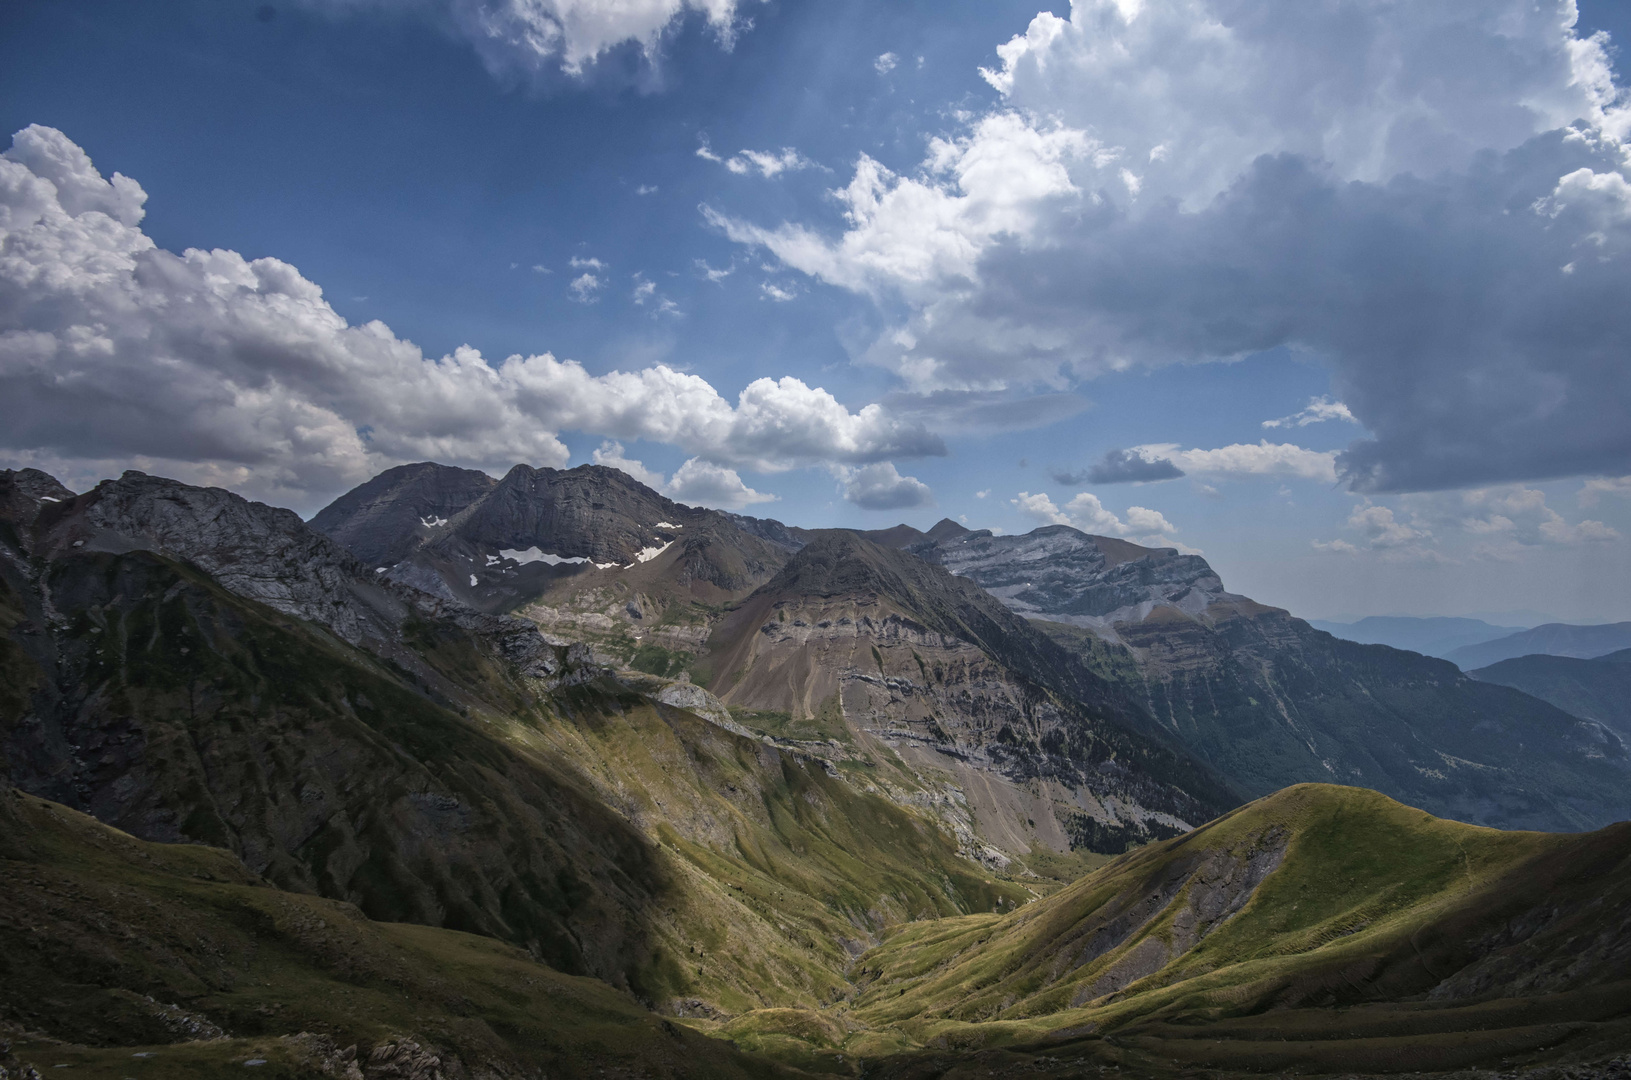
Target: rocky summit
column 551, row 775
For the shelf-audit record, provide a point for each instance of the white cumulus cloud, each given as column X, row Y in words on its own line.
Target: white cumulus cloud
column 916, row 231
column 702, row 483
column 585, row 288
column 695, row 482
column 1250, row 459
column 768, row 163
column 213, row 367
column 1317, row 411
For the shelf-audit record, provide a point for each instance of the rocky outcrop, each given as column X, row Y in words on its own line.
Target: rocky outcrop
column 259, row 552
column 24, row 491
column 1071, row 577
column 402, row 1059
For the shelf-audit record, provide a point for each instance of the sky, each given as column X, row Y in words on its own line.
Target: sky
column 1336, row 294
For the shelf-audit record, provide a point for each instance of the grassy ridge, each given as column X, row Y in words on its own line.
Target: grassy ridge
column 1182, row 950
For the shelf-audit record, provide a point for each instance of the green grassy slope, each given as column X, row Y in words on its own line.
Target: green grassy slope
column 111, row 947
column 1295, row 915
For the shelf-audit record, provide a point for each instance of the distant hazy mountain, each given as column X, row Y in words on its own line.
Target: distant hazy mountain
column 1598, row 689
column 1553, row 639
column 1432, row 636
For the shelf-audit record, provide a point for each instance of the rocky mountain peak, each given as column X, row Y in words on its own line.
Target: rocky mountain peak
column 383, row 520
column 591, row 512
column 24, row 491
column 947, row 529
column 543, row 530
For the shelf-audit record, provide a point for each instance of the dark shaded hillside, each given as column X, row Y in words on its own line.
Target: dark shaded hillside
column 449, row 768
column 119, row 956
column 1268, row 700
column 169, row 708
column 1597, row 689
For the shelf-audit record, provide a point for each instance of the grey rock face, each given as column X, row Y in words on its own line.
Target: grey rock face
column 1069, row 576
column 383, row 521
column 789, row 540
column 591, row 512
column 36, row 485
column 259, row 552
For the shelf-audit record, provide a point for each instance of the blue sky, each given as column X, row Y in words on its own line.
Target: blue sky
column 1128, row 236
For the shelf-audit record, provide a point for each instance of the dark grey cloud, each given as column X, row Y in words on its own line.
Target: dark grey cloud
column 881, row 487
column 980, row 411
column 1129, row 466
column 1476, row 324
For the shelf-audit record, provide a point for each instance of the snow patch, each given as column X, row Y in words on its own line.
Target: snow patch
column 647, row 554
column 472, row 581
column 492, row 560
column 380, row 569
column 659, row 525
column 533, row 554
column 432, row 522
column 48, row 498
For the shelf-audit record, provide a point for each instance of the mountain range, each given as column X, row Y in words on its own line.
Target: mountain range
column 1431, row 636
column 1549, row 639
column 551, row 774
